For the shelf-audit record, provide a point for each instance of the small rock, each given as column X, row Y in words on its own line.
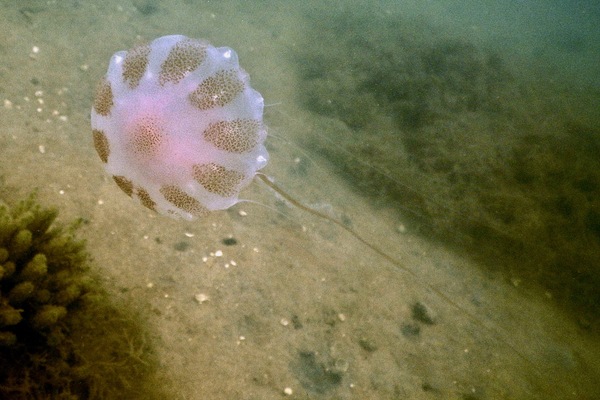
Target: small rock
column 181, row 246
column 201, row 298
column 367, row 345
column 422, row 313
column 410, row 330
column 229, row 241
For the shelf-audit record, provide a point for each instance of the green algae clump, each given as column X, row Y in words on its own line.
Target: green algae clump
column 61, row 334
column 38, row 262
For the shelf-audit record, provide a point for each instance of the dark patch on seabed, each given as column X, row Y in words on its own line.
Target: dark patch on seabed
column 476, row 153
column 314, row 374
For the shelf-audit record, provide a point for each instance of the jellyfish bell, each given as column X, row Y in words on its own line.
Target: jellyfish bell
column 178, row 126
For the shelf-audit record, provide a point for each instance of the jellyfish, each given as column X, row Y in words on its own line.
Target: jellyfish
column 178, row 126
column 180, row 130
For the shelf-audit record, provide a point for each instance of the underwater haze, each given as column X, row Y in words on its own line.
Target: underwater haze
column 460, row 140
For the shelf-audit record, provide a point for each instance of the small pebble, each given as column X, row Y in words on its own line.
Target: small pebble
column 410, row 330
column 288, row 391
column 229, row 241
column 367, row 345
column 181, row 246
column 296, row 322
column 422, row 313
column 201, row 298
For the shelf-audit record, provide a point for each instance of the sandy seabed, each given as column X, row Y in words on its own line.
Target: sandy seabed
column 293, row 306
